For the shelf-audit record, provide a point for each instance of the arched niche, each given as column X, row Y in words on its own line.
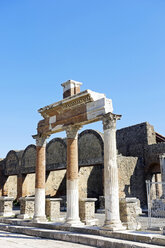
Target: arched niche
column 56, row 153
column 90, row 147
column 29, row 158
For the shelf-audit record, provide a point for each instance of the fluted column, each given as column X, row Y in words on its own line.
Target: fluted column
column 39, row 207
column 162, row 168
column 72, row 176
column 111, row 188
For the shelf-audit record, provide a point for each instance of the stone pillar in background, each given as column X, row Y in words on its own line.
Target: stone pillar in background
column 21, row 186
column 39, row 205
column 72, row 176
column 111, row 188
column 4, row 186
column 162, row 168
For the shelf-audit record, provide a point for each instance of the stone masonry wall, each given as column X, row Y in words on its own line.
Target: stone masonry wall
column 132, row 140
column 136, row 144
column 132, row 178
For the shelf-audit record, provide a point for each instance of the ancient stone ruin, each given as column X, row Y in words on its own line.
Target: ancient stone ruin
column 84, row 167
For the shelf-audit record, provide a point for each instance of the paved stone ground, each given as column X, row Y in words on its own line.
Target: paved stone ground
column 12, row 240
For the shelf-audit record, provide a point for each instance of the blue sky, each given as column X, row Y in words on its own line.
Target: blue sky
column 113, row 47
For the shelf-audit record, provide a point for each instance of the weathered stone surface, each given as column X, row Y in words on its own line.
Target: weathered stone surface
column 87, row 211
column 10, row 186
column 129, row 209
column 158, row 208
column 28, row 162
column 6, row 206
column 56, row 153
column 26, row 207
column 53, row 208
column 12, row 162
column 131, row 140
column 90, row 145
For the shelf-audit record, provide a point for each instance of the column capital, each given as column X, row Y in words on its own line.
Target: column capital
column 72, row 131
column 40, row 140
column 109, row 120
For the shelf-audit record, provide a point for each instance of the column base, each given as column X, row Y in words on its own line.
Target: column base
column 38, row 219
column 72, row 222
column 113, row 226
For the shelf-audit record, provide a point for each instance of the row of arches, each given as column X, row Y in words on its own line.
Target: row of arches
column 90, row 143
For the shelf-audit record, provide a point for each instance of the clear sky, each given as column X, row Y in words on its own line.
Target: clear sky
column 116, row 47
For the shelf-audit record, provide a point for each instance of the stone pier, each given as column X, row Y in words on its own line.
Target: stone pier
column 53, row 208
column 6, row 206
column 87, row 211
column 39, row 205
column 26, row 207
column 72, row 176
column 162, row 168
column 111, row 188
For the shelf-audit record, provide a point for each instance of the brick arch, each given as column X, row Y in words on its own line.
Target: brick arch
column 12, row 163
column 56, row 151
column 29, row 157
column 91, row 147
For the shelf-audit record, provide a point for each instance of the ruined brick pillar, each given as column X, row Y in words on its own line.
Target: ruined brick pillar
column 71, row 88
column 39, row 205
column 72, row 176
column 111, row 187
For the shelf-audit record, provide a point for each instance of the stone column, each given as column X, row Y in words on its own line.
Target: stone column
column 72, row 176
column 39, row 205
column 21, row 186
column 4, row 186
column 162, row 168
column 111, row 188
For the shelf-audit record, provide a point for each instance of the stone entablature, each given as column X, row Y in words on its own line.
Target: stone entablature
column 82, row 108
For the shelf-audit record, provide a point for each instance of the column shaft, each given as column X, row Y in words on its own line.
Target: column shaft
column 39, row 207
column 72, row 177
column 111, row 188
